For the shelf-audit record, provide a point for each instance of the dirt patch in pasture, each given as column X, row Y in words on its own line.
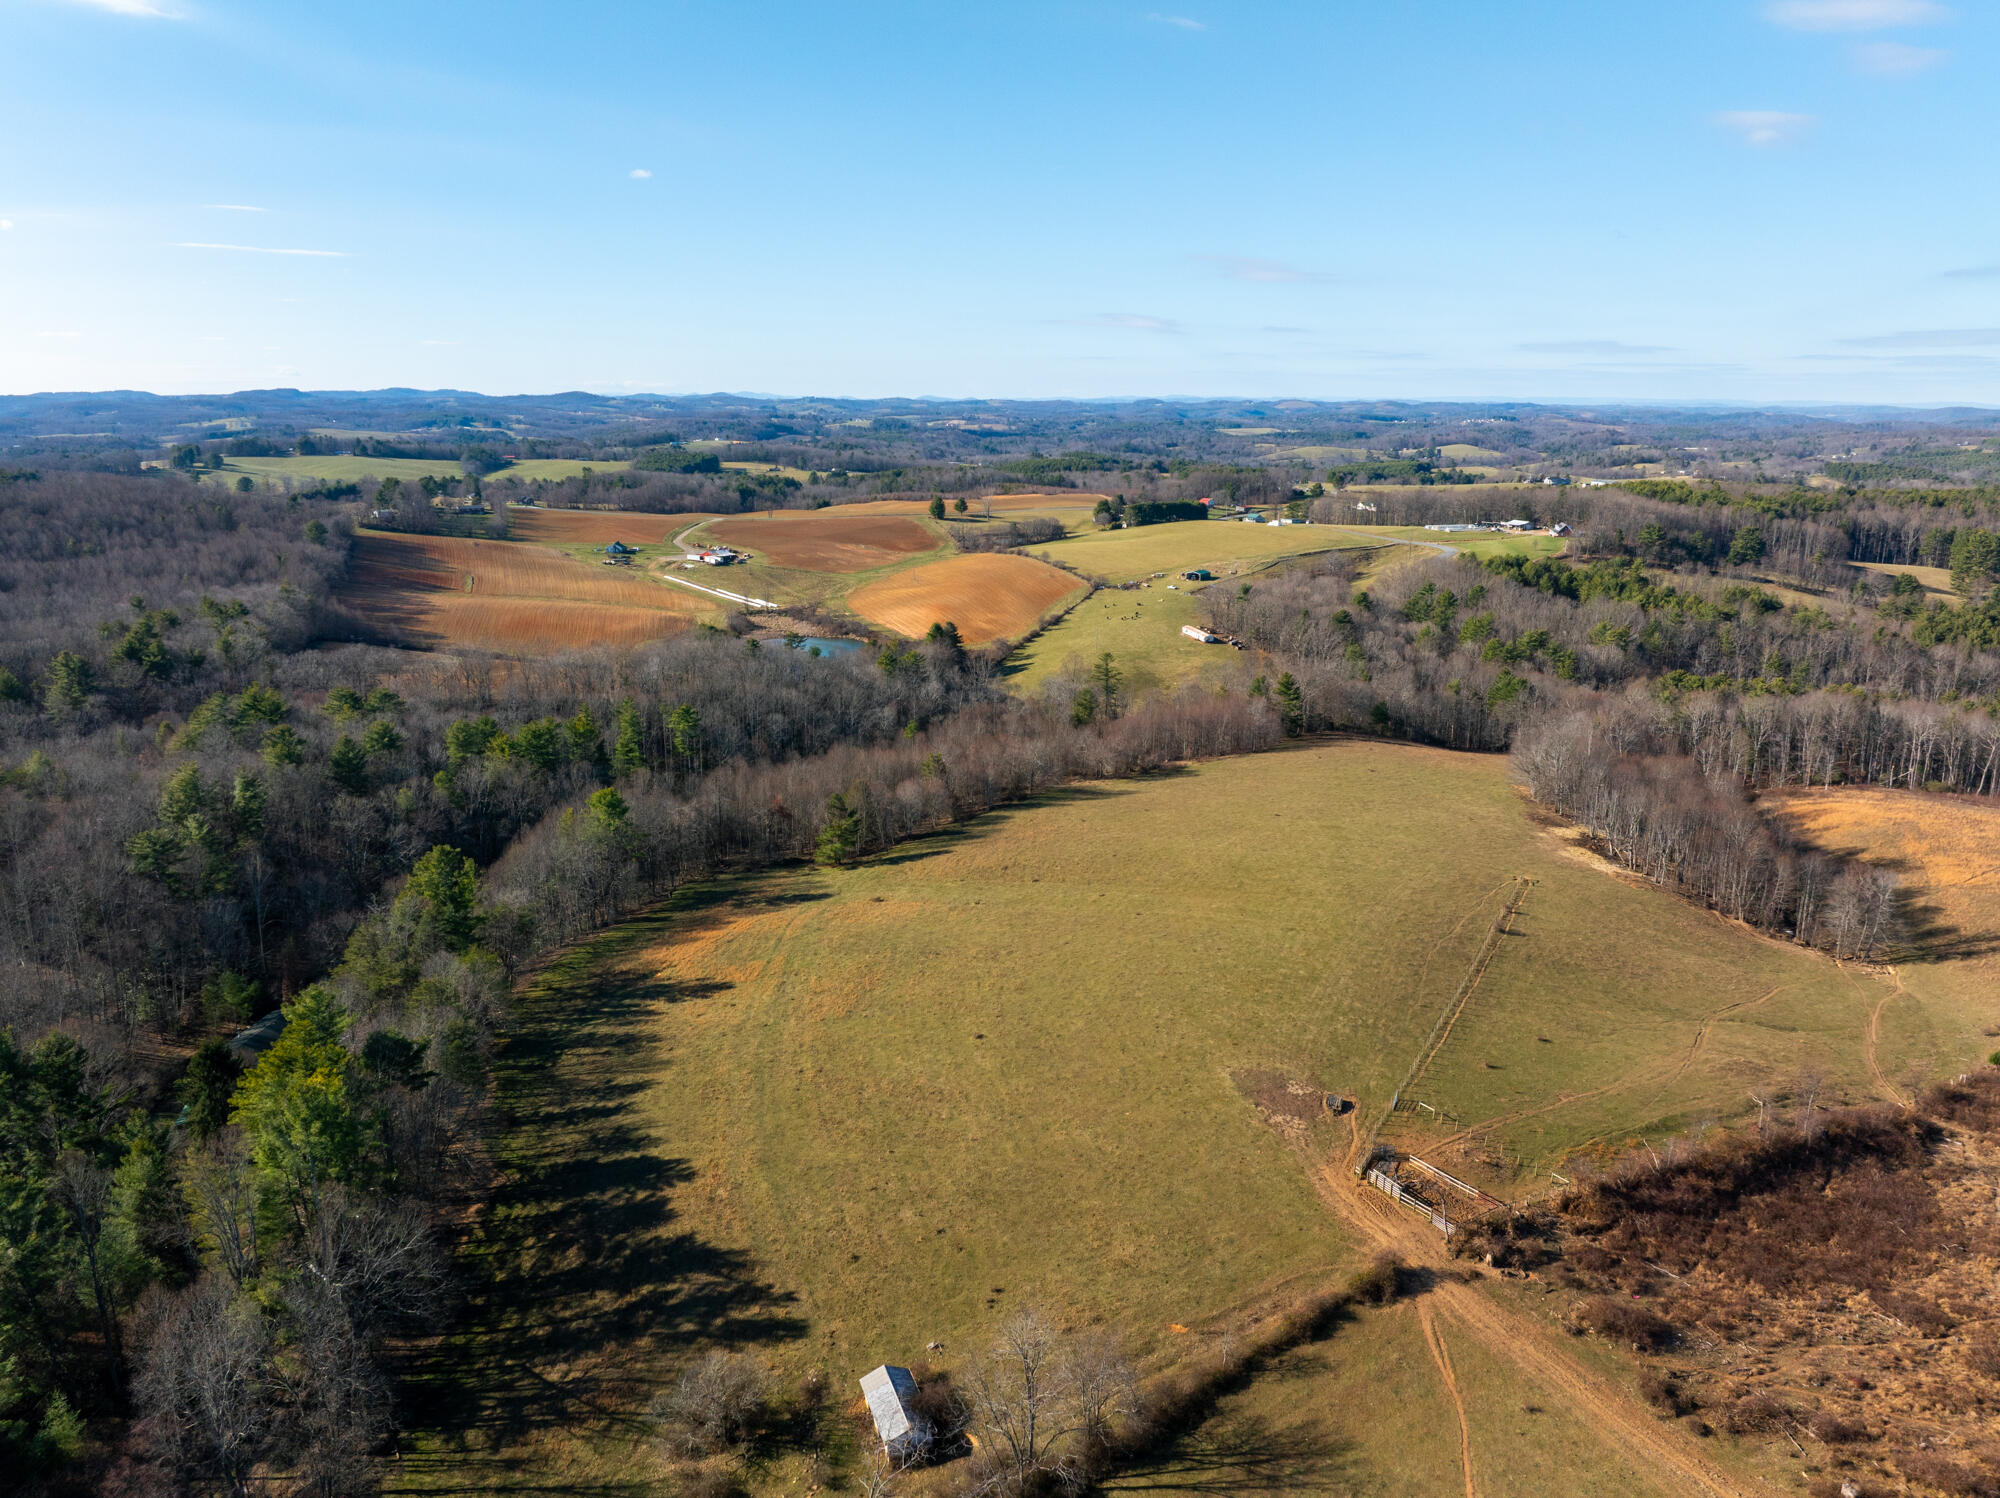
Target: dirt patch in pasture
column 824, row 540
column 595, row 527
column 991, row 596
column 1291, row 1105
column 508, row 597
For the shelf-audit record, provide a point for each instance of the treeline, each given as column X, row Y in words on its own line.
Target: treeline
column 1655, row 811
column 584, row 867
column 1690, row 699
column 1005, row 535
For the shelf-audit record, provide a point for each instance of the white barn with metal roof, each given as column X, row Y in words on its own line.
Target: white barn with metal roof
column 891, row 1393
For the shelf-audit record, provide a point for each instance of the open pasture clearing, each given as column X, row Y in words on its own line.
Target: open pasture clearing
column 1936, row 580
column 1941, row 1010
column 505, row 596
column 825, row 540
column 1222, row 546
column 1367, row 1411
column 833, row 1116
column 989, row 596
column 335, row 470
column 552, row 469
column 1142, row 629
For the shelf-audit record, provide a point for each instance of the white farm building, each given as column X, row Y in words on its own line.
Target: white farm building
column 891, row 1393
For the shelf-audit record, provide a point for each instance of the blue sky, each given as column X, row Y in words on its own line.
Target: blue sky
column 1760, row 200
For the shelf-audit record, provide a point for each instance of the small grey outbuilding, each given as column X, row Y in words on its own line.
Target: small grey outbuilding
column 891, row 1393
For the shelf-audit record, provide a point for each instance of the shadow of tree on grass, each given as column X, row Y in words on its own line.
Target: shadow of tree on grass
column 581, row 1292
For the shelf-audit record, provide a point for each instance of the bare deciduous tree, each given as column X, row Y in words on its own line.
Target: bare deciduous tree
column 204, row 1388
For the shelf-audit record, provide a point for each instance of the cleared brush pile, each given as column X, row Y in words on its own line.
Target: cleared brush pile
column 989, row 597
column 1833, row 1280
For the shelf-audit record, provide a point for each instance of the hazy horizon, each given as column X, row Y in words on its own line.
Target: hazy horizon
column 1733, row 202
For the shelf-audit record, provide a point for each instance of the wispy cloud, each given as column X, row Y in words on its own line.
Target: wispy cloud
column 130, row 8
column 5, row 225
column 1269, row 272
column 1895, row 60
column 1963, row 273
column 235, row 208
column 1186, row 23
column 1854, row 15
column 1606, row 348
column 62, row 334
column 1134, row 321
column 1930, row 338
column 1765, row 127
column 258, row 249
column 638, row 174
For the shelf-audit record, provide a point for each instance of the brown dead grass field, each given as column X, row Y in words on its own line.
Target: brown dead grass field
column 595, row 527
column 511, row 598
column 1946, row 850
column 825, row 540
column 989, row 596
column 1003, row 504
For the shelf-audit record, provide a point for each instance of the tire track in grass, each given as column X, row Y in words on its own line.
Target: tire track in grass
column 1443, row 1360
column 1524, row 1344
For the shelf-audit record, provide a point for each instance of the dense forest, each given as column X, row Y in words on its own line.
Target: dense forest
column 212, row 809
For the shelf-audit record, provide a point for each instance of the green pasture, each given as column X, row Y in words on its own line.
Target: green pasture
column 1364, row 1411
column 1225, row 547
column 554, row 470
column 1142, row 628
column 833, row 1117
column 333, row 470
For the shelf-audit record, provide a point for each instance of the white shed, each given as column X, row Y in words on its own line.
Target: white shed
column 891, row 1393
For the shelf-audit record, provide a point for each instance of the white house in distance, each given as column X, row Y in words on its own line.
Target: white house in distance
column 891, row 1393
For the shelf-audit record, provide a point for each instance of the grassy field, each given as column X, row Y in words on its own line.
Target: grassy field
column 1143, row 628
column 835, row 1117
column 1941, row 1014
column 1225, row 547
column 552, row 469
column 1367, row 1413
column 337, row 470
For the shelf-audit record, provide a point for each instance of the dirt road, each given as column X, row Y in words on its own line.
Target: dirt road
column 1645, row 1440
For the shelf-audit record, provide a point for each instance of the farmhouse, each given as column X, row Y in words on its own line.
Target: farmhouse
column 891, row 1393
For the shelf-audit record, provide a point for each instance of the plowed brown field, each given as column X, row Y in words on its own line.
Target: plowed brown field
column 1064, row 499
column 824, row 540
column 595, row 527
column 993, row 596
column 508, row 597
